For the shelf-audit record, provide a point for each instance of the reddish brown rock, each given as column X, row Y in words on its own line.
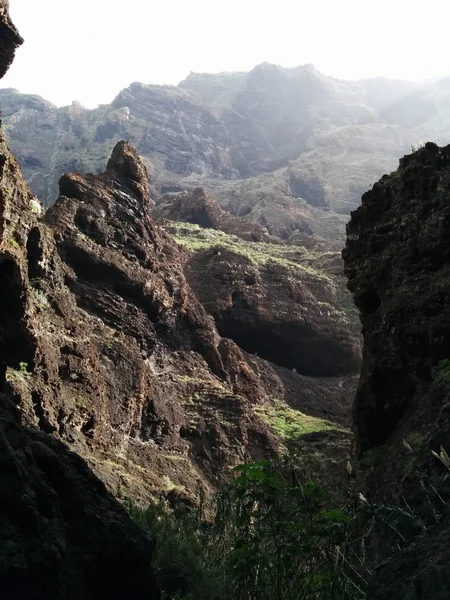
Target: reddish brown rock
column 138, row 385
column 201, row 208
column 284, row 312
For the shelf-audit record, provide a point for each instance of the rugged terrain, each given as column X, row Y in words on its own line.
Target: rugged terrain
column 397, row 263
column 62, row 534
column 290, row 149
column 151, row 341
column 112, row 350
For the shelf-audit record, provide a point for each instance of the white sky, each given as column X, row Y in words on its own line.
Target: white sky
column 88, row 50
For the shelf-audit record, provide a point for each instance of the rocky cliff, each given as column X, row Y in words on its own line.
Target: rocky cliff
column 62, row 534
column 397, row 264
column 201, row 208
column 111, row 350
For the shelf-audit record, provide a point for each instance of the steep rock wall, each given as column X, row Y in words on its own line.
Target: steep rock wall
column 62, row 534
column 397, row 260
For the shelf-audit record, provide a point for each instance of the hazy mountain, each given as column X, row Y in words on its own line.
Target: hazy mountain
column 275, row 145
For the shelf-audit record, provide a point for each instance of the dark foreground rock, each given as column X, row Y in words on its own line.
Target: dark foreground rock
column 10, row 39
column 397, row 260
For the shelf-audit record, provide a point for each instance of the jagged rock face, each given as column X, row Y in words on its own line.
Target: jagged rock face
column 128, row 368
column 397, row 261
column 62, row 534
column 185, row 136
column 138, row 379
column 9, row 38
column 202, row 208
column 282, row 302
column 284, row 313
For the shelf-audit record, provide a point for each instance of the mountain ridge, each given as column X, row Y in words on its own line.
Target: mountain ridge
column 209, row 129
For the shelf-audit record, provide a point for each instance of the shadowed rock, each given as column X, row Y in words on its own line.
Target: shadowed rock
column 397, row 260
column 10, row 39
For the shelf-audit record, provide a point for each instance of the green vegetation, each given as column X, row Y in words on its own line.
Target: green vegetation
column 23, row 367
column 20, row 374
column 291, row 424
column 14, row 243
column 41, row 298
column 195, row 238
column 270, row 537
column 444, row 370
column 81, row 402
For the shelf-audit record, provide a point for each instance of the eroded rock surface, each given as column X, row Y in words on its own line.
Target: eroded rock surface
column 281, row 311
column 201, row 208
column 397, row 260
column 138, row 380
column 62, row 534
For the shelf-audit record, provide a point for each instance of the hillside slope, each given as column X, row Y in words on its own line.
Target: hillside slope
column 287, row 148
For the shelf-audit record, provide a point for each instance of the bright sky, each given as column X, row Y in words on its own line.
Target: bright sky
column 88, row 50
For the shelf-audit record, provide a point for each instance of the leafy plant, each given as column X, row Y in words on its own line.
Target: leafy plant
column 271, row 538
column 183, row 561
column 444, row 369
column 286, row 543
column 23, row 367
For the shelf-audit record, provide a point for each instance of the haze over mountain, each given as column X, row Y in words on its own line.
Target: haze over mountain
column 291, row 149
column 162, row 42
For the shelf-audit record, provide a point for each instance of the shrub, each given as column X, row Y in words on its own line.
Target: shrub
column 271, row 539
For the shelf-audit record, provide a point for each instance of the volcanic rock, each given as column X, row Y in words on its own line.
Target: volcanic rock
column 62, row 534
column 397, row 260
column 202, row 208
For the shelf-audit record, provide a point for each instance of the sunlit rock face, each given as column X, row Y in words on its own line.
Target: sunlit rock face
column 290, row 149
column 62, row 533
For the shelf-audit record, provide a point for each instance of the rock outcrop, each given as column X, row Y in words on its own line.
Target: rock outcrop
column 62, row 534
column 201, row 208
column 397, row 260
column 10, row 39
column 285, row 303
column 280, row 310
column 134, row 375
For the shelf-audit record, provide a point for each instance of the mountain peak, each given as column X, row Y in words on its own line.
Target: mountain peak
column 125, row 164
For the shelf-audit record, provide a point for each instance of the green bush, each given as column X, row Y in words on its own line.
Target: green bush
column 271, row 539
column 182, row 562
